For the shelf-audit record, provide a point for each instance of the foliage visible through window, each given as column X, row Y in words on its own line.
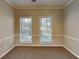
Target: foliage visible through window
column 26, row 29
column 46, row 29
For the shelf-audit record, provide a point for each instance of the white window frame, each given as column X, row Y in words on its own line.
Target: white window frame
column 20, row 29
column 51, row 31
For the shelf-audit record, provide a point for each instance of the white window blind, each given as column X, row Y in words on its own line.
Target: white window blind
column 46, row 29
column 26, row 29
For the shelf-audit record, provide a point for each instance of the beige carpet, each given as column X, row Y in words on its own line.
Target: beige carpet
column 39, row 53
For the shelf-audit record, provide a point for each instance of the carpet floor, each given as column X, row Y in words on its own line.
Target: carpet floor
column 39, row 53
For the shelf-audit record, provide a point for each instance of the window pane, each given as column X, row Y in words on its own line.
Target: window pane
column 26, row 29
column 46, row 29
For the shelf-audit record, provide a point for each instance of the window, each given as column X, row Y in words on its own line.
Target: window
column 26, row 29
column 46, row 29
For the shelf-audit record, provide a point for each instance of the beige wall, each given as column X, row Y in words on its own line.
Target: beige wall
column 69, row 24
column 6, row 27
column 72, row 27
column 35, row 13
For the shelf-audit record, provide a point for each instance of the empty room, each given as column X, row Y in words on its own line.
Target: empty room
column 39, row 29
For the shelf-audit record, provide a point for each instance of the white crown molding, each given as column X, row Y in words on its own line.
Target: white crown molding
column 10, row 3
column 67, row 4
column 42, row 7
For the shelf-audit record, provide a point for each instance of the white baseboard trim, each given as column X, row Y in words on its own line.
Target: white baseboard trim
column 42, row 45
column 71, row 52
column 6, row 52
